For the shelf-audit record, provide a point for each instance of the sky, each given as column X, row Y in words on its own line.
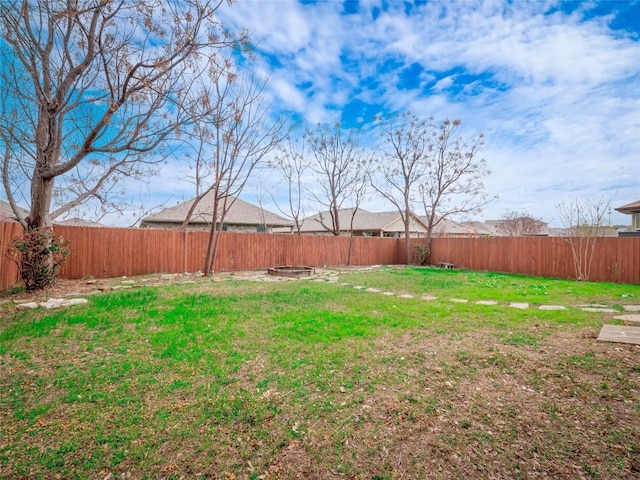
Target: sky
column 553, row 86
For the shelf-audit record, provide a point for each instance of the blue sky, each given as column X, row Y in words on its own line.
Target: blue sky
column 554, row 86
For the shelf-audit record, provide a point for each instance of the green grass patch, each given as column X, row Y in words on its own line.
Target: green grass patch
column 285, row 380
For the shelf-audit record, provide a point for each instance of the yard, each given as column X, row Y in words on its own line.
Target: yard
column 306, row 379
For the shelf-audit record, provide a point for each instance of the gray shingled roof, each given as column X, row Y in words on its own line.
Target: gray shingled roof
column 240, row 213
column 363, row 220
column 446, row 226
column 78, row 222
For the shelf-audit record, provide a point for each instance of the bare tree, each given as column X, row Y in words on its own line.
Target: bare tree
column 236, row 134
column 452, row 184
column 520, row 224
column 583, row 220
column 402, row 165
column 340, row 166
column 291, row 163
column 261, row 195
column 91, row 88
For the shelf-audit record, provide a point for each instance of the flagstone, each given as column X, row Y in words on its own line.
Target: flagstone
column 629, row 317
column 459, row 300
column 552, row 307
column 428, row 297
column 598, row 309
column 486, row 302
column 620, row 334
column 522, row 306
column 632, row 308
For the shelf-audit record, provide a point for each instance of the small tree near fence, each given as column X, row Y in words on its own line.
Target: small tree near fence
column 583, row 220
column 40, row 255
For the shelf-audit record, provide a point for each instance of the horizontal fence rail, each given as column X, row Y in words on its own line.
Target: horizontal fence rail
column 114, row 252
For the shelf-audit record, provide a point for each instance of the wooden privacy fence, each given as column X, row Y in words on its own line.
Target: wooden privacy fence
column 615, row 259
column 114, row 252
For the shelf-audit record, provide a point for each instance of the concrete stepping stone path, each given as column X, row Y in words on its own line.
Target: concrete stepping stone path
column 609, row 333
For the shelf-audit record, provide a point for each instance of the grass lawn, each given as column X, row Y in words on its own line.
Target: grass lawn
column 316, row 380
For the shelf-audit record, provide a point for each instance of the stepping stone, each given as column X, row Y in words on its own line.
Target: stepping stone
column 620, row 334
column 406, row 295
column 629, row 318
column 388, row 294
column 345, row 284
column 459, row 300
column 632, row 308
column 598, row 309
column 359, row 287
column 522, row 306
column 373, row 290
column 552, row 307
column 428, row 297
column 486, row 302
column 26, row 306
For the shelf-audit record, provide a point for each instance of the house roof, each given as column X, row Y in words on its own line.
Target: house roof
column 6, row 212
column 362, row 221
column 451, row 227
column 479, row 228
column 633, row 207
column 494, row 227
column 240, row 213
column 78, row 222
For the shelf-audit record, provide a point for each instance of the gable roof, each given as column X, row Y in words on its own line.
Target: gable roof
column 240, row 213
column 446, row 226
column 362, row 221
column 479, row 228
column 6, row 212
column 78, row 222
column 633, row 207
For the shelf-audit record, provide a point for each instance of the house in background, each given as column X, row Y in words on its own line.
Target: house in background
column 632, row 209
column 447, row 228
column 7, row 214
column 365, row 224
column 494, row 226
column 241, row 217
column 78, row 222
